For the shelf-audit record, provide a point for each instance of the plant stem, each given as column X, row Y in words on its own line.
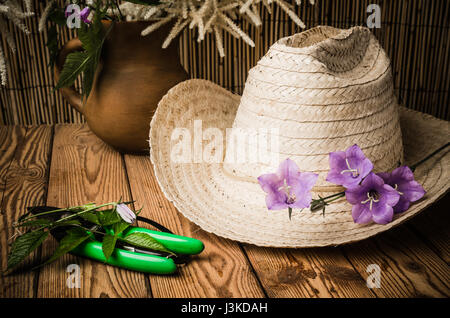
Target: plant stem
column 339, row 195
column 84, row 211
column 67, row 217
column 67, row 209
column 118, row 9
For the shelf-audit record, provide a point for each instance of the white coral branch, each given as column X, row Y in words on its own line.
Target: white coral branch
column 216, row 16
column 11, row 10
column 3, row 74
column 156, row 25
column 44, row 16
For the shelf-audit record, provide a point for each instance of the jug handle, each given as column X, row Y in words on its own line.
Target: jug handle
column 70, row 94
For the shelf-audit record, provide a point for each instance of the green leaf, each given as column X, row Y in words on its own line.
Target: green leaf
column 92, row 38
column 108, row 217
column 88, row 78
column 75, row 64
column 74, row 237
column 144, row 240
column 37, row 222
column 120, row 227
column 68, row 222
column 90, row 217
column 108, row 245
column 24, row 245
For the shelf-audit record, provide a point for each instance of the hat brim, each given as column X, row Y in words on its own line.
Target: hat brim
column 233, row 208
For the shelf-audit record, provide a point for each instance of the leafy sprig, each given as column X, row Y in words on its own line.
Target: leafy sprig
column 77, row 225
column 92, row 36
column 85, row 62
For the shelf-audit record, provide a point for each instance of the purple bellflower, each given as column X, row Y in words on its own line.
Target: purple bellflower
column 373, row 200
column 402, row 180
column 288, row 188
column 349, row 167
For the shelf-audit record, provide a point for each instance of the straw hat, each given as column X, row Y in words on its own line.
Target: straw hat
column 324, row 89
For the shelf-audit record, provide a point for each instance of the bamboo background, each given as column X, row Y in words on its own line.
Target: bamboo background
column 415, row 34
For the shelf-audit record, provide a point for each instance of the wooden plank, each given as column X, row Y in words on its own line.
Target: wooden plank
column 84, row 169
column 10, row 138
column 409, row 268
column 320, row 272
column 432, row 226
column 221, row 270
column 25, row 184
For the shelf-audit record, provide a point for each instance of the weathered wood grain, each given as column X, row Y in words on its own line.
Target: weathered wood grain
column 221, row 270
column 10, row 138
column 321, row 272
column 432, row 227
column 84, row 169
column 409, row 268
column 25, row 184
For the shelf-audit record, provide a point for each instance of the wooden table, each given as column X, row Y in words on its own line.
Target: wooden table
column 66, row 165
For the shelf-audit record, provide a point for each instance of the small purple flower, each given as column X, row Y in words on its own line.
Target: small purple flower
column 402, row 180
column 349, row 167
column 125, row 213
column 288, row 188
column 372, row 200
column 84, row 14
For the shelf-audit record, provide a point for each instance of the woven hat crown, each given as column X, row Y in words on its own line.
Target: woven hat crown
column 323, row 90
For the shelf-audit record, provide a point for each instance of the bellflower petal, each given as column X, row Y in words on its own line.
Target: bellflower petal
column 412, row 190
column 390, row 196
column 276, row 201
column 382, row 214
column 288, row 169
column 125, row 213
column 302, row 189
column 402, row 205
column 355, row 195
column 361, row 214
column 84, row 14
column 308, row 180
column 288, row 188
column 348, row 168
column 402, row 180
column 269, row 182
column 372, row 200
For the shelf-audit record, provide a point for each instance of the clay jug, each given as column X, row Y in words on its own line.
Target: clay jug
column 134, row 73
